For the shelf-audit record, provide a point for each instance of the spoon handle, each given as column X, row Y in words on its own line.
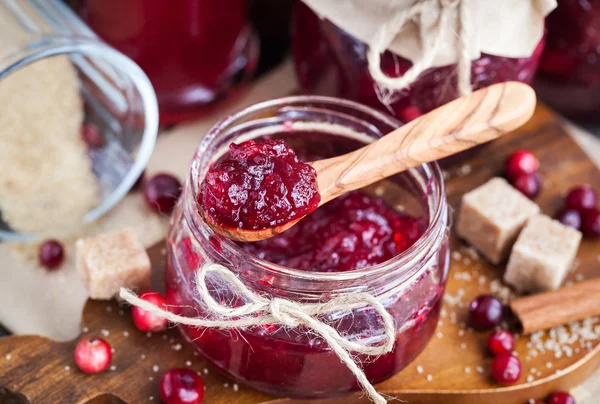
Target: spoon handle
column 459, row 125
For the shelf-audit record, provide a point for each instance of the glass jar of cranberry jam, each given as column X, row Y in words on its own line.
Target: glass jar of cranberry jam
column 330, row 61
column 389, row 240
column 569, row 74
column 193, row 51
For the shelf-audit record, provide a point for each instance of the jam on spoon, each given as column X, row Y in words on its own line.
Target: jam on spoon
column 259, row 185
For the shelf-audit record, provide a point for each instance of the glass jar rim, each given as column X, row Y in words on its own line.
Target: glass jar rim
column 56, row 45
column 407, row 258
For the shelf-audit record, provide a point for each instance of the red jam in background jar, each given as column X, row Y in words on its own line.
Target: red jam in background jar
column 569, row 75
column 259, row 185
column 330, row 61
column 193, row 51
column 389, row 240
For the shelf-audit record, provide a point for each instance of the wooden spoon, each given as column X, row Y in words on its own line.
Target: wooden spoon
column 459, row 125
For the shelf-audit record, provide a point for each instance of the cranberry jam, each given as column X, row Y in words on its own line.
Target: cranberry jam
column 259, row 185
column 388, row 240
column 330, row 61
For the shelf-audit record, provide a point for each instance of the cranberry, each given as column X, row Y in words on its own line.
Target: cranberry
column 91, row 136
column 485, row 312
column 521, row 162
column 506, row 369
column 145, row 321
column 92, row 355
column 259, row 185
column 570, row 217
column 529, row 185
column 162, row 192
column 581, row 198
column 181, row 386
column 501, row 342
column 561, row 397
column 51, row 254
column 591, row 223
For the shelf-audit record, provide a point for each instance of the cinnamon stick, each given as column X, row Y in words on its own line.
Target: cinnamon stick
column 550, row 309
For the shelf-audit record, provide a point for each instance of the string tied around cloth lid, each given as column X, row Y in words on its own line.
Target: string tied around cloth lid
column 260, row 310
column 388, row 31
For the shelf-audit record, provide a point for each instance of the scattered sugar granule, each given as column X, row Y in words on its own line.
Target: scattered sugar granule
column 479, row 369
column 105, row 333
column 532, row 370
column 151, row 378
column 468, row 369
column 188, row 363
column 440, row 323
column 579, row 277
column 148, row 334
column 530, row 378
column 113, row 368
column 8, row 357
column 205, row 371
column 235, row 387
column 456, row 255
column 225, row 385
column 67, row 368
column 440, row 335
column 177, row 347
column 112, row 350
column 85, row 329
column 143, row 356
column 108, row 309
column 463, row 346
column 151, row 398
column 121, row 312
column 155, row 368
column 126, row 333
column 461, row 332
column 165, row 337
column 419, row 369
column 429, row 378
column 171, row 340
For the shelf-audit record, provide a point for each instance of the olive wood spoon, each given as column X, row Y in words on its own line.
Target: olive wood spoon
column 480, row 117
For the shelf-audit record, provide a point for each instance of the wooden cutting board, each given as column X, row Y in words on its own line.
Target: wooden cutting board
column 453, row 369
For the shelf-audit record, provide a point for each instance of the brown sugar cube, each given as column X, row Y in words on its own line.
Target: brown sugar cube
column 491, row 217
column 542, row 255
column 113, row 260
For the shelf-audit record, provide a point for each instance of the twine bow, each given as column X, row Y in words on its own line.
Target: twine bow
column 259, row 310
column 388, row 31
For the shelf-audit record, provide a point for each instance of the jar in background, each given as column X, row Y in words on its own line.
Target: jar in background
column 330, row 61
column 294, row 362
column 193, row 51
column 569, row 75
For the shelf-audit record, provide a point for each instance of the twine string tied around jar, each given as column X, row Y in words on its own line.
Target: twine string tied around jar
column 259, row 310
column 388, row 31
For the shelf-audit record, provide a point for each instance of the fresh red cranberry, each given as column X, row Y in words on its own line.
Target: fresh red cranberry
column 181, row 386
column 51, row 254
column 162, row 192
column 259, row 185
column 570, row 217
column 485, row 312
column 590, row 225
column 501, row 342
column 92, row 355
column 561, row 397
column 506, row 369
column 529, row 185
column 91, row 136
column 521, row 162
column 581, row 198
column 145, row 321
